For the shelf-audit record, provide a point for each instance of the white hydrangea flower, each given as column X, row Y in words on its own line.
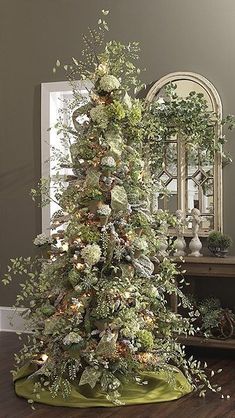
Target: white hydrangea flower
column 99, row 115
column 140, row 244
column 72, row 338
column 91, row 254
column 104, row 210
column 109, row 83
column 42, row 239
column 108, row 162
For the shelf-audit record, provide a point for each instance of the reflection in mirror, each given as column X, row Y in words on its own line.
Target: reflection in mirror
column 172, row 199
column 191, row 175
column 171, row 158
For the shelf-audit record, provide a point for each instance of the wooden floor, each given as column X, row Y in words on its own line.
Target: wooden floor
column 188, row 407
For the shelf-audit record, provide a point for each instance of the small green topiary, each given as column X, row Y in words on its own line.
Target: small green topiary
column 219, row 243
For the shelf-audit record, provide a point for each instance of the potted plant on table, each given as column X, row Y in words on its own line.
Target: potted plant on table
column 219, row 243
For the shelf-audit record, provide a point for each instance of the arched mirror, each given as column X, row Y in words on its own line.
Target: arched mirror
column 192, row 177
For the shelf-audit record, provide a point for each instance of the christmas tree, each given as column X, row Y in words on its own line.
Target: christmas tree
column 102, row 331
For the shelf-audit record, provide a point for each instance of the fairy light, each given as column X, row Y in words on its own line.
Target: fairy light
column 76, row 306
column 148, row 319
column 60, row 311
column 44, row 357
column 65, row 246
column 145, row 357
column 79, row 266
column 121, row 349
column 41, row 360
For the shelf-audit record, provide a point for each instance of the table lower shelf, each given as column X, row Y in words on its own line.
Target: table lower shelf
column 208, row 342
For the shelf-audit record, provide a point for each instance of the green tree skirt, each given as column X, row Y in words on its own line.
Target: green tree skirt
column 158, row 389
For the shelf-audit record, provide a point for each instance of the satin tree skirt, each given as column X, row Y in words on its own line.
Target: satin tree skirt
column 156, row 390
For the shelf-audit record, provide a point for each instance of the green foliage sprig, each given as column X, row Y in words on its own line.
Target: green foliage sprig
column 190, row 118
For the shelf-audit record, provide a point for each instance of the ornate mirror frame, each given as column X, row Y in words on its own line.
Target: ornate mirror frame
column 217, row 108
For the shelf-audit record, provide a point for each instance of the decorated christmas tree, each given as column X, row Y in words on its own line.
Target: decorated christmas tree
column 97, row 300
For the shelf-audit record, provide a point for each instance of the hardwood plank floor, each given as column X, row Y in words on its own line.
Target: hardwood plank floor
column 190, row 406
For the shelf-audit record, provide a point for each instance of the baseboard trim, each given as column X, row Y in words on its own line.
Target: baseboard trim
column 11, row 320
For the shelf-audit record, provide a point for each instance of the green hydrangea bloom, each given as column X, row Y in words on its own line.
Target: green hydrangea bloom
column 109, row 83
column 72, row 338
column 116, row 110
column 91, row 254
column 99, row 115
column 145, row 338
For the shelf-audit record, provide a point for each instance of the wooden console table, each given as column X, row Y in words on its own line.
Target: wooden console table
column 210, row 267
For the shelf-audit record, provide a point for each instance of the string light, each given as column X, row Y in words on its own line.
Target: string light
column 148, row 319
column 65, row 246
column 75, row 306
column 79, row 266
column 145, row 357
column 42, row 360
column 44, row 357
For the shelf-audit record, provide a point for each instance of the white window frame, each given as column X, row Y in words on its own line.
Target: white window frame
column 47, row 89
